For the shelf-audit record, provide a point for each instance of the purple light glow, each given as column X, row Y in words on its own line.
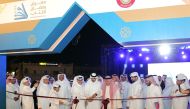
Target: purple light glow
column 184, row 56
column 140, row 54
column 165, row 57
column 122, row 55
column 145, row 49
column 133, row 65
column 182, row 52
column 141, row 65
column 130, row 59
column 147, row 58
column 130, row 50
column 125, row 65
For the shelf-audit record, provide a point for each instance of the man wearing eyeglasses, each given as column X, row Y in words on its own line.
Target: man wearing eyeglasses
column 43, row 90
column 12, row 100
column 25, row 89
column 180, row 89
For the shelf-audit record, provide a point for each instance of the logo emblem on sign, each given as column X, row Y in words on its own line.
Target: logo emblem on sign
column 32, row 39
column 20, row 12
column 125, row 3
column 125, row 32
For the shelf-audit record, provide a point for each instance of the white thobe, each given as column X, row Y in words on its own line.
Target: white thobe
column 154, row 91
column 144, row 94
column 116, row 103
column 124, row 93
column 136, row 91
column 167, row 101
column 179, row 103
column 54, row 103
column 78, row 91
column 27, row 101
column 64, row 92
column 43, row 91
column 189, row 102
column 91, row 89
column 10, row 102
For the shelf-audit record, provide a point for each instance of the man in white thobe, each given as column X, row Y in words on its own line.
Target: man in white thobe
column 51, row 81
column 93, row 91
column 109, row 91
column 78, row 91
column 153, row 90
column 43, row 90
column 12, row 100
column 167, row 92
column 144, row 89
column 27, row 101
column 135, row 91
column 65, row 91
column 54, row 93
column 124, row 89
column 178, row 90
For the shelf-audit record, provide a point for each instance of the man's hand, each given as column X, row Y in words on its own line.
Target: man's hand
column 94, row 95
column 130, row 97
column 16, row 98
column 185, row 91
column 89, row 99
column 36, row 85
column 61, row 102
column 176, row 91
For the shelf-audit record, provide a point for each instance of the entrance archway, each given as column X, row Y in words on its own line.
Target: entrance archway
column 28, row 29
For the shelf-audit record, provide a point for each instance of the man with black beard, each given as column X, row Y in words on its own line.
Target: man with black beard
column 153, row 90
column 135, row 91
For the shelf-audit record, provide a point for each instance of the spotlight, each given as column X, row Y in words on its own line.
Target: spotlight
column 182, row 52
column 164, row 49
column 122, row 55
column 147, row 58
column 125, row 65
column 141, row 65
column 130, row 59
column 184, row 56
column 133, row 65
column 145, row 49
column 187, row 47
column 130, row 50
column 140, row 54
column 165, row 57
column 182, row 47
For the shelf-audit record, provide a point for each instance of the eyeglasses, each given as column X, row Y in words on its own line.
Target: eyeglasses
column 27, row 78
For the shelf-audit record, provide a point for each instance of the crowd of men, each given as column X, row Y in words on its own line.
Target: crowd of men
column 115, row 91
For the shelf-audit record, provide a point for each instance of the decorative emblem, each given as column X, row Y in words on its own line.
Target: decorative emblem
column 125, row 3
column 31, row 40
column 125, row 32
column 20, row 12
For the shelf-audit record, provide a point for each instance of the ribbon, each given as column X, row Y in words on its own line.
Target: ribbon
column 170, row 97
